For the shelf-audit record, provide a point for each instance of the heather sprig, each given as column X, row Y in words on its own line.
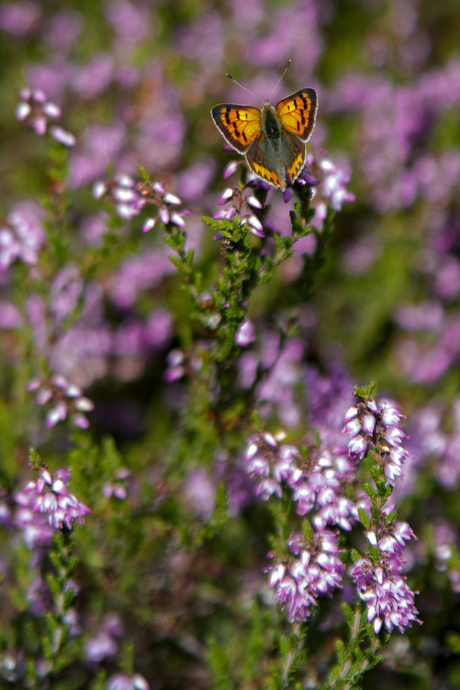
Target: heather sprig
column 46, row 590
column 242, row 233
column 375, row 430
column 51, row 496
column 41, row 115
column 386, row 599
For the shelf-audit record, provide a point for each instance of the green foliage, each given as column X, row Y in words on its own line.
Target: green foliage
column 219, row 666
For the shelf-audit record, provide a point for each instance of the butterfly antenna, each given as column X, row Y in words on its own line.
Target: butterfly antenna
column 243, row 87
column 282, row 77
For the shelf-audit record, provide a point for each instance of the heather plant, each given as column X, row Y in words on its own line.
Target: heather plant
column 199, row 485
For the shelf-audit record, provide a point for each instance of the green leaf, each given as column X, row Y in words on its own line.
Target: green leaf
column 144, row 174
column 341, row 652
column 364, row 517
column 348, row 613
column 365, row 392
column 371, row 492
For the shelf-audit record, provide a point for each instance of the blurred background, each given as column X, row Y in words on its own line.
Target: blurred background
column 136, row 82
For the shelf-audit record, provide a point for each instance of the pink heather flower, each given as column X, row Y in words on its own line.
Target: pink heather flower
column 321, row 484
column 388, row 598
column 52, row 498
column 19, row 18
column 303, row 179
column 41, row 114
column 62, row 136
column 99, row 646
column 199, row 493
column 357, row 447
column 231, row 168
column 34, row 526
column 24, row 235
column 65, row 293
column 176, row 368
column 130, row 198
column 333, row 184
column 243, row 205
column 331, row 187
column 371, row 420
column 117, row 488
column 120, row 681
column 67, row 400
column 312, row 570
column 245, row 333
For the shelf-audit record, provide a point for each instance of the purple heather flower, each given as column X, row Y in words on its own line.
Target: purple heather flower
column 231, row 168
column 321, row 483
column 65, row 292
column 315, row 569
column 116, row 488
column 255, row 226
column 357, row 447
column 304, row 178
column 64, row 28
column 91, row 79
column 52, row 498
column 333, row 184
column 138, row 274
column 244, row 206
column 388, row 598
column 245, row 333
column 10, row 316
column 193, row 182
column 41, row 114
column 24, row 235
column 132, row 22
column 176, row 369
column 62, row 136
column 378, row 578
column 19, row 18
column 199, row 493
column 36, row 531
column 329, row 189
column 130, row 198
column 67, row 400
column 377, row 424
column 99, row 646
column 120, row 681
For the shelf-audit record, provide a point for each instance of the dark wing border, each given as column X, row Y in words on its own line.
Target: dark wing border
column 223, row 123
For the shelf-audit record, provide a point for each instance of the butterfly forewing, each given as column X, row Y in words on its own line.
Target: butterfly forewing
column 239, row 124
column 298, row 112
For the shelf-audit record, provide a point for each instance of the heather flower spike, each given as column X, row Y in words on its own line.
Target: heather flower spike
column 378, row 575
column 131, row 197
column 311, row 569
column 245, row 205
column 67, row 400
column 52, row 498
column 41, row 115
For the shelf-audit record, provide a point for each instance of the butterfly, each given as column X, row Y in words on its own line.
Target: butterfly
column 274, row 138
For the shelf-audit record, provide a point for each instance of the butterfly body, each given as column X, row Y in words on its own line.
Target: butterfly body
column 273, row 139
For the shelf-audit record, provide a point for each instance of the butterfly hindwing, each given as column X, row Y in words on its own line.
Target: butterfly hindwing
column 260, row 161
column 239, row 124
column 298, row 112
column 294, row 157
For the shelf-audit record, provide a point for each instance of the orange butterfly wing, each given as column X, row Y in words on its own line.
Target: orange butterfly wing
column 298, row 112
column 238, row 124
